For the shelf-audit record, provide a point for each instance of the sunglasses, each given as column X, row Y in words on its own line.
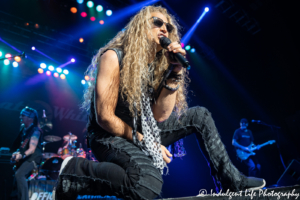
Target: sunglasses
column 159, row 22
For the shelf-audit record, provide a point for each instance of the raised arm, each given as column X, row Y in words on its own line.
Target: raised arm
column 106, row 97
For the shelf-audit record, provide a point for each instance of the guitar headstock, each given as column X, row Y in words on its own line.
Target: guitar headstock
column 271, row 141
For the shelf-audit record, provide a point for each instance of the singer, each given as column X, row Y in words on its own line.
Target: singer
column 128, row 130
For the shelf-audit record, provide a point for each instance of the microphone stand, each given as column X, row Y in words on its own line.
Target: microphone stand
column 273, row 127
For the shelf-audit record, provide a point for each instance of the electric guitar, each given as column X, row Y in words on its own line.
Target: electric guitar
column 243, row 155
column 13, row 161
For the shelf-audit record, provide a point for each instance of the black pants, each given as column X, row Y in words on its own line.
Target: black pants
column 20, row 183
column 125, row 171
column 253, row 166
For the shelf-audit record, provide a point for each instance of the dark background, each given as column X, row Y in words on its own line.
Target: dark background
column 235, row 73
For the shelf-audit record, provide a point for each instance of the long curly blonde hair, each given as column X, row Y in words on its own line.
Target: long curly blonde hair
column 137, row 48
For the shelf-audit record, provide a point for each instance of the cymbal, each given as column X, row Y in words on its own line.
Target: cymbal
column 70, row 137
column 52, row 138
column 47, row 155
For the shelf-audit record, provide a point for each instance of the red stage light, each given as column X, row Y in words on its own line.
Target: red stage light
column 83, row 14
column 93, row 18
column 48, row 73
column 73, row 10
column 101, row 22
column 55, row 74
column 36, row 26
column 8, row 55
column 40, row 70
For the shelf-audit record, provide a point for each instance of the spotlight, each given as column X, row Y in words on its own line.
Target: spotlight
column 108, row 12
column 8, row 55
column 26, row 24
column 93, row 18
column 81, row 40
column 101, row 22
column 15, row 64
column 82, row 82
column 17, row 58
column 6, row 62
column 62, row 76
column 182, row 45
column 36, row 26
column 83, row 14
column 73, row 10
column 55, row 75
column 187, row 47
column 0, row 53
column 48, row 73
column 58, row 69
column 99, row 8
column 51, row 68
column 40, row 70
column 43, row 65
column 86, row 77
column 206, row 9
column 73, row 60
column 66, row 71
column 33, row 48
column 80, row 1
column 90, row 4
column 193, row 50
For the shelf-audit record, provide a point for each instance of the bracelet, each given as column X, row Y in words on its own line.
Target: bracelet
column 175, row 77
column 23, row 155
column 170, row 88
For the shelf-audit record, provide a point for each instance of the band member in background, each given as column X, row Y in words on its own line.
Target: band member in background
column 243, row 139
column 28, row 150
column 124, row 74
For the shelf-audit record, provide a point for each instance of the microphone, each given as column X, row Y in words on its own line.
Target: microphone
column 255, row 121
column 164, row 42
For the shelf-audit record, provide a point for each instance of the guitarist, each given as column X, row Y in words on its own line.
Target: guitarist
column 243, row 139
column 29, row 153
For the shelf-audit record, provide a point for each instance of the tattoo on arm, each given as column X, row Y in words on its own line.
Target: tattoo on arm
column 33, row 142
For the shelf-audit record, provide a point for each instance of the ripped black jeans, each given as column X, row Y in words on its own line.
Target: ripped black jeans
column 125, row 171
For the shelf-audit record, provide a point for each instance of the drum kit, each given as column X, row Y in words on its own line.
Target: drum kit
column 51, row 164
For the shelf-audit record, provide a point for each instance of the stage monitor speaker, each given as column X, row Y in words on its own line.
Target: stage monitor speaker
column 291, row 176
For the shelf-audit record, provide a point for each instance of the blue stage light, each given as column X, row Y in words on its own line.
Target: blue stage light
column 0, row 53
column 58, row 69
column 82, row 82
column 90, row 4
column 43, row 65
column 80, row 1
column 99, row 8
column 15, row 64
column 193, row 50
column 187, row 47
column 73, row 60
column 51, row 68
column 32, row 48
column 206, row 9
column 108, row 12
column 66, row 71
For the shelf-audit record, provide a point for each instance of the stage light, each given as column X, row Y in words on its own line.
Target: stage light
column 83, row 14
column 36, row 26
column 82, row 82
column 101, row 22
column 73, row 10
column 86, row 77
column 108, row 12
column 0, row 53
column 32, row 48
column 80, row 1
column 26, row 24
column 81, row 40
column 193, row 50
column 6, row 62
column 187, row 47
column 40, row 70
column 48, row 73
column 55, row 74
column 93, row 18
column 182, row 45
column 62, row 76
column 43, row 65
column 58, row 69
column 206, row 9
column 8, row 55
column 99, row 8
column 66, row 71
column 90, row 4
column 73, row 60
column 17, row 58
column 15, row 64
column 51, row 68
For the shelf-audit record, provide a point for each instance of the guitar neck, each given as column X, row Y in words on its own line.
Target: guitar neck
column 264, row 144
